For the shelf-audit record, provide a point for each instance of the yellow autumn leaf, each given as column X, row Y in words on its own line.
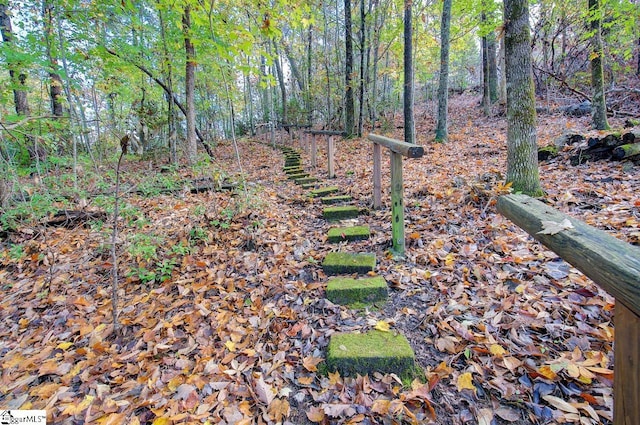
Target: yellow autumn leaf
column 449, row 259
column 231, row 346
column 497, row 350
column 64, row 345
column 382, row 326
column 161, row 421
column 76, row 409
column 465, row 382
column 547, row 372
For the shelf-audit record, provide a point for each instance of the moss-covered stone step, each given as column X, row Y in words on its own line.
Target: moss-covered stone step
column 328, row 200
column 347, row 291
column 353, row 233
column 292, row 163
column 292, row 168
column 305, row 180
column 310, row 185
column 297, row 176
column 347, row 263
column 354, row 354
column 323, row 191
column 340, row 212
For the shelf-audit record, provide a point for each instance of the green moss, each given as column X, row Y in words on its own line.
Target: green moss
column 547, row 152
column 305, row 180
column 347, row 263
column 354, row 233
column 374, row 351
column 310, row 185
column 335, row 199
column 340, row 212
column 347, row 291
column 297, row 176
column 294, row 170
column 324, row 191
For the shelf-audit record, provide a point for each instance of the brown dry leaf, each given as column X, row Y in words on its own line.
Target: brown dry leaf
column 484, row 417
column 310, row 363
column 279, row 409
column 266, row 393
column 315, row 414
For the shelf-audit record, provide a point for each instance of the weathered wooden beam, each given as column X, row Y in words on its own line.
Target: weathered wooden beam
column 326, row 132
column 397, row 205
column 314, row 151
column 609, row 262
column 405, row 149
column 331, row 169
column 626, row 385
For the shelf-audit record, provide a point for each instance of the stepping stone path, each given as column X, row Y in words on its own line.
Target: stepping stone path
column 352, row 353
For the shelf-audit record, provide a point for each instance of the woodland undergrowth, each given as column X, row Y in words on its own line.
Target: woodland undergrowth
column 222, row 309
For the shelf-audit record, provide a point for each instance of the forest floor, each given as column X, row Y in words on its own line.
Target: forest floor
column 222, row 302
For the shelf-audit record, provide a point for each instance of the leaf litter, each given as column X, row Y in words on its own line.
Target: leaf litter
column 235, row 331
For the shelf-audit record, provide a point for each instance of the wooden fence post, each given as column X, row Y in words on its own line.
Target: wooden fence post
column 398, row 150
column 397, row 205
column 377, row 176
column 314, row 150
column 330, row 155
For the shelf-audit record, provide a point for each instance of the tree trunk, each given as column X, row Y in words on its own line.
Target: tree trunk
column 349, row 111
column 443, row 86
column 281, row 84
column 522, row 161
column 308, row 97
column 363, row 50
column 18, row 77
column 191, row 148
column 599, row 117
column 409, row 126
column 55, row 84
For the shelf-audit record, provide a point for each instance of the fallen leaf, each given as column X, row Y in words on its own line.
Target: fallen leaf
column 383, row 326
column 465, row 382
column 560, row 404
column 553, row 227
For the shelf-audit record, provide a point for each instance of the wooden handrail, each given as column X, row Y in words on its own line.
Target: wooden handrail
column 326, row 132
column 398, row 150
column 405, row 149
column 609, row 262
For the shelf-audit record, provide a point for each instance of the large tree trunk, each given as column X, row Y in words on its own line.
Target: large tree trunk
column 17, row 75
column 597, row 79
column 522, row 151
column 55, row 84
column 283, row 87
column 349, row 111
column 409, row 126
column 363, row 50
column 443, row 86
column 308, row 105
column 191, row 147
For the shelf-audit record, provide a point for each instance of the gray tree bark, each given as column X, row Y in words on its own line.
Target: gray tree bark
column 349, row 108
column 191, row 147
column 522, row 149
column 17, row 75
column 599, row 104
column 409, row 125
column 443, row 86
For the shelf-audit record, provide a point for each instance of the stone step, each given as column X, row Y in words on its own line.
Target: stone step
column 353, row 233
column 347, row 263
column 335, row 199
column 354, row 354
column 323, row 191
column 292, row 162
column 310, row 185
column 306, row 180
column 297, row 176
column 348, row 291
column 340, row 212
column 294, row 170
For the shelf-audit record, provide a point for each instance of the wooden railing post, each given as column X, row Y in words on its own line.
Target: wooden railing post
column 377, row 176
column 330, row 157
column 397, row 204
column 613, row 265
column 314, row 150
column 398, row 150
